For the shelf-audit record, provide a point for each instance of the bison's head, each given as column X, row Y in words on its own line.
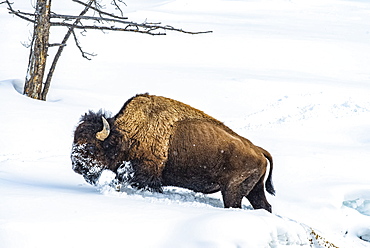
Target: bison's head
column 88, row 155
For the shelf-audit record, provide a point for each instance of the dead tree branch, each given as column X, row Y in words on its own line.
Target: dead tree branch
column 145, row 28
column 60, row 50
column 18, row 13
column 128, row 26
column 114, row 2
column 84, row 54
column 98, row 10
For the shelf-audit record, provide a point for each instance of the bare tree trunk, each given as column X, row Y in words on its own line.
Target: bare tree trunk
column 39, row 51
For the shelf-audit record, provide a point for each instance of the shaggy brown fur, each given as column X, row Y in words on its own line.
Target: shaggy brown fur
column 170, row 143
column 147, row 122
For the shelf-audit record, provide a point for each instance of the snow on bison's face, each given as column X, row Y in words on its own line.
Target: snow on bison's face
column 88, row 155
column 84, row 163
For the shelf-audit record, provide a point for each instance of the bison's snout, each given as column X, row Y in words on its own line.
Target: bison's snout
column 90, row 174
column 77, row 167
column 85, row 163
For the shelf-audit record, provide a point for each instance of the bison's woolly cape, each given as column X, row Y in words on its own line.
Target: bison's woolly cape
column 147, row 122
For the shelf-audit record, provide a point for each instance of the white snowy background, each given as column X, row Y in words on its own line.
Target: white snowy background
column 293, row 76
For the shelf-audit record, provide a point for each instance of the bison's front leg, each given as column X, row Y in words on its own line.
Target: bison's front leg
column 146, row 176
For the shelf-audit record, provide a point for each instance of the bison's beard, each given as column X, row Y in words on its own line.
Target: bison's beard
column 85, row 164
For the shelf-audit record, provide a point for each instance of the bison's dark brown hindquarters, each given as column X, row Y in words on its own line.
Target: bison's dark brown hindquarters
column 206, row 157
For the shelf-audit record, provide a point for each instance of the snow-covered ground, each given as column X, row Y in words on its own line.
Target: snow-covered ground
column 293, row 76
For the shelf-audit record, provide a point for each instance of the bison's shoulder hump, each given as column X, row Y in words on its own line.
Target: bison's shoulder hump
column 122, row 110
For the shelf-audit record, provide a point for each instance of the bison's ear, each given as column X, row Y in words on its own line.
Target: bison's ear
column 103, row 134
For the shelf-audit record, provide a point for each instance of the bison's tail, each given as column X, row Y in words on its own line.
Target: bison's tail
column 268, row 184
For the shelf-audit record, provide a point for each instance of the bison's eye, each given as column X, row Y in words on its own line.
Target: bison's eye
column 91, row 149
column 106, row 146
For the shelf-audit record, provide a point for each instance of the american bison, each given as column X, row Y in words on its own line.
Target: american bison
column 169, row 143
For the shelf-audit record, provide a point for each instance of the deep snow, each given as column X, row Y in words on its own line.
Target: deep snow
column 291, row 76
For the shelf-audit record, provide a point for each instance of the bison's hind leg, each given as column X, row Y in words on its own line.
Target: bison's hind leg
column 232, row 196
column 252, row 188
column 237, row 188
column 257, row 196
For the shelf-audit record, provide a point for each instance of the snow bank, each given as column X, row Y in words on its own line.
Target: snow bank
column 236, row 228
column 215, row 227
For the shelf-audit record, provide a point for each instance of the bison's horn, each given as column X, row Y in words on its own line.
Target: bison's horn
column 103, row 134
